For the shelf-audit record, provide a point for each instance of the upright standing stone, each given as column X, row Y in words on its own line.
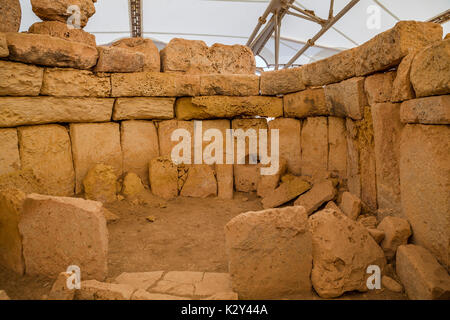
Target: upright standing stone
column 402, row 88
column 353, row 169
column 163, row 176
column 314, row 146
column 347, row 98
column 337, row 147
column 200, row 182
column 9, row 157
column 378, row 87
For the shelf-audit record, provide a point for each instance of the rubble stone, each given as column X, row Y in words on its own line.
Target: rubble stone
column 350, row 205
column 397, row 232
column 163, row 176
column 132, row 185
column 287, row 191
column 377, row 235
column 318, row 195
column 100, row 183
column 59, row 290
column 95, row 290
column 391, row 284
column 268, row 183
column 306, row 103
column 9, row 157
column 57, row 10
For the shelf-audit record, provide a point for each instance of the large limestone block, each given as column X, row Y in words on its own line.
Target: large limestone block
column 116, row 59
column 429, row 110
column 163, row 176
column 100, row 184
column 268, row 183
column 387, row 131
column 165, row 131
column 65, row 82
column 139, row 145
column 11, row 15
column 246, row 177
column 350, row 205
column 388, row 48
column 144, row 46
column 346, row 98
column 144, row 108
column 11, row 204
column 287, row 191
column 50, row 51
column 229, row 85
column 402, row 88
column 186, row 110
column 424, row 176
column 282, row 81
column 423, row 277
column 314, row 145
column 18, row 111
column 342, row 251
column 95, row 290
column 396, row 233
column 289, row 147
column 95, row 143
column 9, row 145
column 317, row 196
column 47, row 151
column 225, row 178
column 57, row 10
column 353, row 169
column 58, row 232
column 232, row 59
column 18, row 79
column 307, row 103
column 154, row 84
column 430, row 70
column 337, row 147
column 336, row 68
column 200, row 182
column 61, row 30
column 274, row 265
column 4, row 51
column 230, row 107
column 379, row 86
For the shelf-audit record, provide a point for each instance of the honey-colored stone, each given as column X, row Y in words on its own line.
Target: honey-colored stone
column 18, row 79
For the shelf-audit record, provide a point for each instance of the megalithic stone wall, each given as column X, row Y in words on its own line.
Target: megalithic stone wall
column 376, row 117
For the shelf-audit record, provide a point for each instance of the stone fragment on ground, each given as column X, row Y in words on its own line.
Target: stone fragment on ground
column 163, row 177
column 109, row 216
column 268, row 183
column 390, row 284
column 287, row 191
column 200, row 182
column 368, row 221
column 95, row 290
column 100, row 184
column 316, row 196
column 397, row 232
column 59, row 290
column 132, row 185
column 57, row 10
column 377, row 235
column 350, row 205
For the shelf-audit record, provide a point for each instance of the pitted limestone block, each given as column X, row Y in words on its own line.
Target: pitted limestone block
column 57, row 10
column 317, row 196
column 163, row 176
column 429, row 110
column 58, row 232
column 139, row 145
column 282, row 81
column 346, row 98
column 47, row 151
column 11, row 17
column 4, row 51
column 18, row 111
column 307, row 103
column 232, row 59
column 200, row 182
column 144, row 108
column 65, row 82
column 95, row 143
column 353, row 169
column 18, row 79
column 144, row 46
column 337, row 147
column 116, row 59
column 100, row 184
column 186, row 110
column 314, row 139
column 225, row 180
column 61, row 30
column 350, row 205
column 9, row 157
column 378, row 87
column 396, row 233
column 50, row 51
column 229, row 85
column 95, row 290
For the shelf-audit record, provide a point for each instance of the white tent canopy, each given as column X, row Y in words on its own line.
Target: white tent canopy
column 232, row 22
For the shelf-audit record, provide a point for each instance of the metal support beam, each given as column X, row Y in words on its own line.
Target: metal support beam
column 441, row 18
column 136, row 18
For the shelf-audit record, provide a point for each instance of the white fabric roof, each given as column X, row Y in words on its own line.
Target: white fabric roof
column 232, row 21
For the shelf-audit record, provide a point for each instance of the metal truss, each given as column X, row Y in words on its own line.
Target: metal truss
column 441, row 18
column 136, row 18
column 279, row 9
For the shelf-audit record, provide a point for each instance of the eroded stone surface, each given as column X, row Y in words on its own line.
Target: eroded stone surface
column 144, row 46
column 95, row 290
column 116, row 59
column 18, row 79
column 60, row 30
column 200, row 182
column 350, row 205
column 318, row 195
column 100, row 183
column 396, row 233
column 9, row 157
column 402, row 88
column 429, row 110
column 282, row 81
column 314, row 139
column 163, row 176
column 57, row 10
column 378, row 87
column 306, row 103
column 144, row 108
column 347, row 98
column 229, row 85
column 139, row 280
column 10, row 22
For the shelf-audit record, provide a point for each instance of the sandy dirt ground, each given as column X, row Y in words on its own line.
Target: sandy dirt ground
column 186, row 234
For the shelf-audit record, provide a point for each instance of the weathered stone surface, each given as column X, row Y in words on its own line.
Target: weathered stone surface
column 307, row 103
column 59, row 232
column 75, row 83
column 246, row 177
column 47, row 150
column 424, row 176
column 95, row 143
column 100, row 183
column 423, row 277
column 4, row 295
column 397, row 232
column 200, row 182
column 186, row 110
column 387, row 131
column 163, row 176
column 377, row 235
column 109, row 216
column 268, row 183
column 116, row 59
column 50, row 51
column 350, row 205
column 144, row 46
column 18, row 111
column 287, row 191
column 368, row 221
column 140, row 144
column 342, row 251
column 59, row 290
column 139, row 280
column 391, row 284
column 18, row 79
column 95, row 290
column 165, row 131
column 230, row 107
column 430, row 70
column 60, row 30
column 337, row 147
column 11, row 17
column 289, row 145
column 144, row 108
column 232, row 59
column 346, row 98
column 225, row 178
column 4, row 51
column 223, row 296
column 276, row 264
column 25, row 180
column 229, row 85
column 154, row 84
column 402, row 88
column 353, row 170
column 378, row 87
column 282, row 81
column 317, row 196
column 11, row 204
column 336, row 68
column 332, row 205
column 314, row 140
column 9, row 157
column 213, row 283
column 429, row 110
column 180, row 283
column 388, row 48
column 57, row 10
column 145, row 295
